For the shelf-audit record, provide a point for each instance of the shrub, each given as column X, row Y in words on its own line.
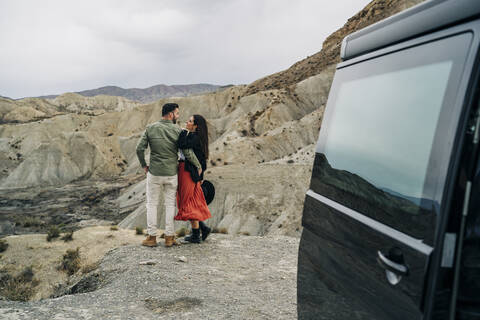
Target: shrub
column 138, row 230
column 53, row 232
column 114, row 228
column 182, row 232
column 68, row 236
column 71, row 261
column 3, row 245
column 18, row 288
column 32, row 222
column 90, row 267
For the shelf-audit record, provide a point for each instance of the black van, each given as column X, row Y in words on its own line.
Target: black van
column 392, row 217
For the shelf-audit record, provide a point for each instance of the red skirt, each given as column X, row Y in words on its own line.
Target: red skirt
column 190, row 199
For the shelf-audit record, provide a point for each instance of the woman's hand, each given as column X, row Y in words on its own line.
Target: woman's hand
column 199, row 171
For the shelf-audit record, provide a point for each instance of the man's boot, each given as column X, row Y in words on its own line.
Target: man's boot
column 194, row 237
column 170, row 241
column 150, row 241
column 205, row 230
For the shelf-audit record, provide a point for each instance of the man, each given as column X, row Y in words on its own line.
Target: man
column 162, row 138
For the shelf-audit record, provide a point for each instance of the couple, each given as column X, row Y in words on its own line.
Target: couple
column 165, row 139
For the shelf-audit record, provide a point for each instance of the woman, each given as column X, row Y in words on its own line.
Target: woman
column 190, row 199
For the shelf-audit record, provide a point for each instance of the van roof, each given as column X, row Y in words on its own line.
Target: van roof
column 422, row 18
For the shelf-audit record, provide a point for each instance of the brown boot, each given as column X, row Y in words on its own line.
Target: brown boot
column 170, row 241
column 150, row 241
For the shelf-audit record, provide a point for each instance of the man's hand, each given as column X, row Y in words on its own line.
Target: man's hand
column 146, row 169
column 199, row 171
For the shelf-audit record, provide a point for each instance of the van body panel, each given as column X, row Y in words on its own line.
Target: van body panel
column 363, row 201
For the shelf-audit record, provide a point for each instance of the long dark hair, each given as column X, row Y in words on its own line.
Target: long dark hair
column 202, row 131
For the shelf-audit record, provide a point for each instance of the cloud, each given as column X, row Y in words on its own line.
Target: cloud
column 58, row 46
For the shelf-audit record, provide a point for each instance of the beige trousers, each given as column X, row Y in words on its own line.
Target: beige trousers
column 154, row 186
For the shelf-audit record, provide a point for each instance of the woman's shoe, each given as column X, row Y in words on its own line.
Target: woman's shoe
column 205, row 230
column 194, row 237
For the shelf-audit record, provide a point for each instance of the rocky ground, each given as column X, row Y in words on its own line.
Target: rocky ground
column 226, row 277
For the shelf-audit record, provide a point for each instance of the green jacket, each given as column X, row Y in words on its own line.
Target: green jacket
column 162, row 138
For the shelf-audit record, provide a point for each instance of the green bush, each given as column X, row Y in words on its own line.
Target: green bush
column 29, row 222
column 53, row 232
column 138, row 230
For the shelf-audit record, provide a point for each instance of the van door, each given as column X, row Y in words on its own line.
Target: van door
column 380, row 184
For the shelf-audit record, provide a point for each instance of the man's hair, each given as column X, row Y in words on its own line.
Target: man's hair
column 168, row 107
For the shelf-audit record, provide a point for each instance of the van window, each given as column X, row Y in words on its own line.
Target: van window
column 381, row 125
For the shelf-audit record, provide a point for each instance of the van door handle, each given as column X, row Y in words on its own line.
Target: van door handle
column 394, row 262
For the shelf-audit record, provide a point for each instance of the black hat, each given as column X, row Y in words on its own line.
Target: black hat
column 208, row 191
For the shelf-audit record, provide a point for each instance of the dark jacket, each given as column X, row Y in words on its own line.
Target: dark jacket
column 192, row 141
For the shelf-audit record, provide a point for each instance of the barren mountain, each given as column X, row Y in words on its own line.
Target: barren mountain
column 148, row 94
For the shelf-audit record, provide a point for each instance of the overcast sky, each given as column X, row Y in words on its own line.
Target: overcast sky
column 52, row 47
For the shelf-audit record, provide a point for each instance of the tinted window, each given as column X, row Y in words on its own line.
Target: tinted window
column 381, row 124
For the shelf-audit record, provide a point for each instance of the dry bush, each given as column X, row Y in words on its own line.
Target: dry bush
column 90, row 267
column 71, row 261
column 20, row 287
column 67, row 236
column 3, row 245
column 114, row 228
column 182, row 232
column 220, row 230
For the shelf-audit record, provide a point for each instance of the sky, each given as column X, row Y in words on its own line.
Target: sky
column 52, row 47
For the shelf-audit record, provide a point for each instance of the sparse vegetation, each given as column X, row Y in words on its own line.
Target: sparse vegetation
column 3, row 245
column 68, row 236
column 20, row 287
column 29, row 222
column 245, row 233
column 114, row 228
column 53, row 232
column 139, row 230
column 71, row 261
